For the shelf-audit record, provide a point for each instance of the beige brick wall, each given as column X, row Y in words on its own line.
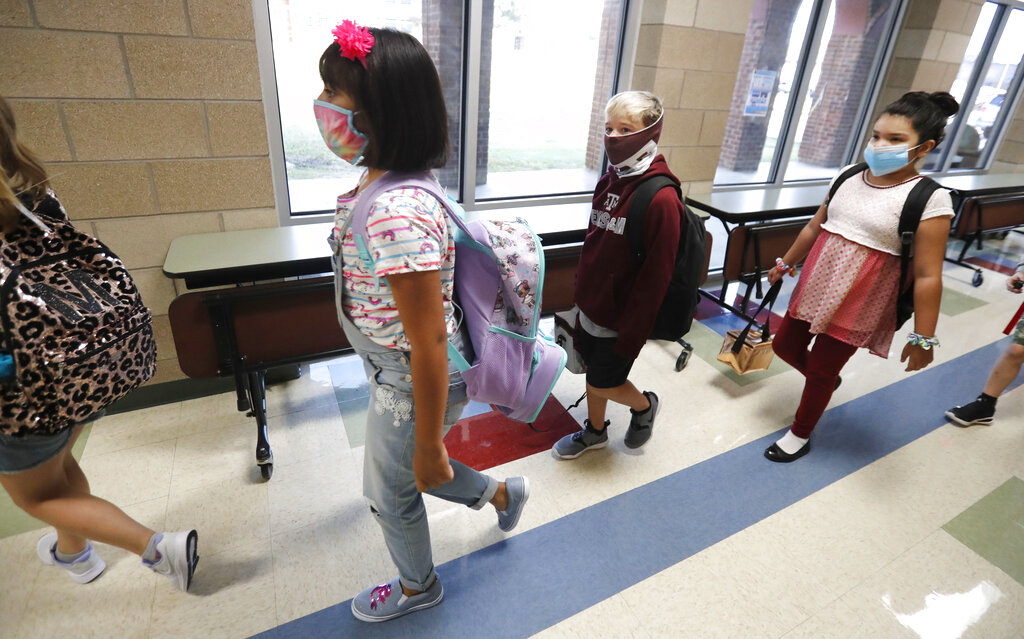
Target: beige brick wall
column 1010, row 156
column 689, row 53
column 929, row 47
column 149, row 117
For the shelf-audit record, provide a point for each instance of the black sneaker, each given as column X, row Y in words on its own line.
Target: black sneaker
column 977, row 413
column 641, row 425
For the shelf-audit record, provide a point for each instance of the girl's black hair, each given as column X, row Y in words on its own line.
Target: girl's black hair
column 927, row 113
column 399, row 101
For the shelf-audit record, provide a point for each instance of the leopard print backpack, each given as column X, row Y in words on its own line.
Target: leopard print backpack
column 73, row 322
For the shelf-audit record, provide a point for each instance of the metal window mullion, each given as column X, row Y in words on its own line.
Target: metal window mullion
column 471, row 93
column 272, row 110
column 629, row 35
column 978, row 74
column 808, row 54
column 1006, row 111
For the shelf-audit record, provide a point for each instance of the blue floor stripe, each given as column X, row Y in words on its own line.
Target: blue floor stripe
column 552, row 572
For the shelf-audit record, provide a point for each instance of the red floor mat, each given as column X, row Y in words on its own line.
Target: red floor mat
column 491, row 439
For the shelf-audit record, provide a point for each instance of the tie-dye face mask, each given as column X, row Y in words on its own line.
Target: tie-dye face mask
column 339, row 132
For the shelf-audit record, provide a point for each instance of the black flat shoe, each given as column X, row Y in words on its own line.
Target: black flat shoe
column 839, row 382
column 776, row 454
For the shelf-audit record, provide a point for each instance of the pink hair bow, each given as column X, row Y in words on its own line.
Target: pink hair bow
column 355, row 41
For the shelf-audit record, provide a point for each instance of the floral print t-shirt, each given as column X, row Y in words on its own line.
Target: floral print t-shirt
column 408, row 232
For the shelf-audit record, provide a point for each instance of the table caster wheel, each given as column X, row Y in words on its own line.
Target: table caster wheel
column 683, row 360
column 977, row 279
column 267, row 470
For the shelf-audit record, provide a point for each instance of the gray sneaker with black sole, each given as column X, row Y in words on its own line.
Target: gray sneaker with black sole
column 575, row 444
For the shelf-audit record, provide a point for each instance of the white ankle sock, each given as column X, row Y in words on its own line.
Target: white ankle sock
column 790, row 443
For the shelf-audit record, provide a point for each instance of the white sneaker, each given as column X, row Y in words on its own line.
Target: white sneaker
column 178, row 557
column 83, row 570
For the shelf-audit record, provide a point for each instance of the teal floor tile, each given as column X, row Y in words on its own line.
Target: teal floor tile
column 954, row 302
column 994, row 528
column 353, row 416
column 707, row 344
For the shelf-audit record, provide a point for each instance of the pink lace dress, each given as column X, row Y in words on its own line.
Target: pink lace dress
column 848, row 291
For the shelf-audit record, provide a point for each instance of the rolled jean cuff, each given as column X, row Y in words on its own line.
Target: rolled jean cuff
column 492, row 487
column 421, row 586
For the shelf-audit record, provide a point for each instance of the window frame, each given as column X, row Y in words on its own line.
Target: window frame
column 814, row 38
column 944, row 164
column 629, row 29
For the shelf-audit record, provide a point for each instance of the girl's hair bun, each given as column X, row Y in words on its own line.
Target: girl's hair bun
column 946, row 103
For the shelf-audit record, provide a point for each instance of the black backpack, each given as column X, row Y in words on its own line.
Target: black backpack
column 677, row 308
column 910, row 218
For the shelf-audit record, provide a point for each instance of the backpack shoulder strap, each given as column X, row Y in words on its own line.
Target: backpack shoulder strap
column 387, row 182
column 910, row 218
column 845, row 175
column 636, row 214
column 913, row 207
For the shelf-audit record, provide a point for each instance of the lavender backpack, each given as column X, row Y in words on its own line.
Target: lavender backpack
column 499, row 274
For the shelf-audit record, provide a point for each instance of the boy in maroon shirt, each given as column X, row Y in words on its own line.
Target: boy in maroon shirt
column 618, row 299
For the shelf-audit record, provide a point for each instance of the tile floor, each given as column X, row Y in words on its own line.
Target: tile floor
column 896, row 525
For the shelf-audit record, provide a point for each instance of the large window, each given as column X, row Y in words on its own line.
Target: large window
column 525, row 94
column 989, row 78
column 807, row 76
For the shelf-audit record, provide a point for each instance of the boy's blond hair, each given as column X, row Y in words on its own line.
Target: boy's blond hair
column 640, row 105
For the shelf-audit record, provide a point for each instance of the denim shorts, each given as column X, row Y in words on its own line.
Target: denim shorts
column 18, row 454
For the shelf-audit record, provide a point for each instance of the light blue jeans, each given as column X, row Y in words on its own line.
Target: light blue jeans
column 388, row 480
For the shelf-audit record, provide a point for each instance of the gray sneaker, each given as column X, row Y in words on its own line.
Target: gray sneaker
column 575, row 444
column 641, row 425
column 518, row 491
column 387, row 601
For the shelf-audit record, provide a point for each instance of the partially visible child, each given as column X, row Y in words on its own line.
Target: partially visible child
column 36, row 468
column 618, row 300
column 983, row 409
column 382, row 107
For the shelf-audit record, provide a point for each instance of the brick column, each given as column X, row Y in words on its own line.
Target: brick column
column 607, row 42
column 767, row 40
column 443, row 39
column 856, row 38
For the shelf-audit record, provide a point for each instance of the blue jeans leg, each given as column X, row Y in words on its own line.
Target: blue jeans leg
column 389, row 483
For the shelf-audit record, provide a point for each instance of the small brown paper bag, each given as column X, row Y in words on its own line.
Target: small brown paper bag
column 750, row 350
column 753, row 353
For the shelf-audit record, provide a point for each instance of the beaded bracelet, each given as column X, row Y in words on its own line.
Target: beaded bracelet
column 920, row 340
column 785, row 268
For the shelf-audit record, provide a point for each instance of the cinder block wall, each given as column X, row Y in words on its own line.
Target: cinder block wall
column 150, row 120
column 688, row 53
column 1010, row 157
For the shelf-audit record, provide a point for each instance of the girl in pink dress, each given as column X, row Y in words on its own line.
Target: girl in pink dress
column 847, row 294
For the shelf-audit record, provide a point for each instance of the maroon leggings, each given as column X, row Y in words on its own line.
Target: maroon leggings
column 820, row 366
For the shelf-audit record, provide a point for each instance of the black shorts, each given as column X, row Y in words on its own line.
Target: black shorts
column 605, row 367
